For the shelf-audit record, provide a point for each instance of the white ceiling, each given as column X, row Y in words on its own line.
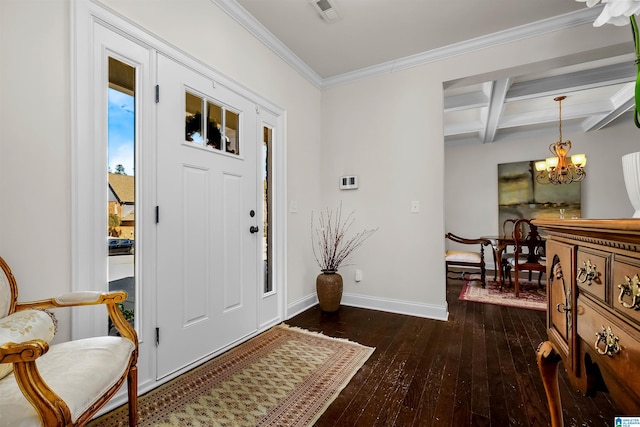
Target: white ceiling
column 371, row 36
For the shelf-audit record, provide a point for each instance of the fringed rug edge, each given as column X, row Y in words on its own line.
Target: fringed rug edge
column 319, row 334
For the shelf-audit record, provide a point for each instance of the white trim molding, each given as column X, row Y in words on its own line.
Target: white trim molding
column 428, row 311
column 247, row 21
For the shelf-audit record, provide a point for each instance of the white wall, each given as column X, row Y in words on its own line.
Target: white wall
column 385, row 130
column 34, row 146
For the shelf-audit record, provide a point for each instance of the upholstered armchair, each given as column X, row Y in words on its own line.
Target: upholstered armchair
column 64, row 384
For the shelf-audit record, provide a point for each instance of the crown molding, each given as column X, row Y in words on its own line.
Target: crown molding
column 557, row 23
column 560, row 22
column 251, row 24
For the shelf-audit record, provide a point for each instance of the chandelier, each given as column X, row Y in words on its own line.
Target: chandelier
column 560, row 169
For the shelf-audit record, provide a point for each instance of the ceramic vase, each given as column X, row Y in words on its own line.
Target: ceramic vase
column 631, row 173
column 329, row 290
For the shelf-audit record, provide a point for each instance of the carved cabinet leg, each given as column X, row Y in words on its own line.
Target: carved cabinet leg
column 548, row 360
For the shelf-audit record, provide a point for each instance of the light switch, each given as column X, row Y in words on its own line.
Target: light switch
column 293, row 207
column 415, row 206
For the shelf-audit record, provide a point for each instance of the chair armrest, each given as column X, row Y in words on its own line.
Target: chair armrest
column 75, row 299
column 51, row 408
column 26, row 351
column 458, row 239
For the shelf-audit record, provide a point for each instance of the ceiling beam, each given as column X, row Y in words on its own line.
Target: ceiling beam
column 465, row 101
column 579, row 80
column 622, row 101
column 470, row 126
column 497, row 97
column 596, row 108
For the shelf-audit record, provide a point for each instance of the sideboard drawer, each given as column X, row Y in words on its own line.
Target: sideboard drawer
column 599, row 328
column 626, row 276
column 592, row 271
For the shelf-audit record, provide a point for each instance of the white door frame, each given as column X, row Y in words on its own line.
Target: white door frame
column 88, row 207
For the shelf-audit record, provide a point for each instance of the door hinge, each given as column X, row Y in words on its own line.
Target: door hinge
column 157, row 214
column 157, row 337
column 157, row 93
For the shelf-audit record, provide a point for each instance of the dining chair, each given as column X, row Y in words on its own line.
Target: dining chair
column 507, row 250
column 466, row 258
column 506, row 247
column 529, row 253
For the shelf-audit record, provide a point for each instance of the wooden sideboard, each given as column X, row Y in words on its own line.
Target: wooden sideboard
column 593, row 310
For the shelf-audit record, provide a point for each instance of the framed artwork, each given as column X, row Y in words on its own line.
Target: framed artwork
column 521, row 196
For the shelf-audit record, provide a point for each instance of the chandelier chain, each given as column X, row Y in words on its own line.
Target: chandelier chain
column 560, row 99
column 560, row 119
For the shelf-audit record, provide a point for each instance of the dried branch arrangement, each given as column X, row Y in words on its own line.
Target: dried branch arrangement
column 331, row 245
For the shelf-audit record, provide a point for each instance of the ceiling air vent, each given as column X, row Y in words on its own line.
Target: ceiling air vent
column 326, row 9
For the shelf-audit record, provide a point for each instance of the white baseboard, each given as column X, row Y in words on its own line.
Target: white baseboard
column 429, row 311
column 301, row 305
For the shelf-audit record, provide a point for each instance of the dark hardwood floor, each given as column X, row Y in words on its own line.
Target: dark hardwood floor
column 477, row 369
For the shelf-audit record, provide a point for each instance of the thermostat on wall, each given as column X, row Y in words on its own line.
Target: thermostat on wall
column 348, row 182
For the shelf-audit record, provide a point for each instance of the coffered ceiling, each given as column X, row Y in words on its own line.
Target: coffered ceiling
column 599, row 90
column 367, row 37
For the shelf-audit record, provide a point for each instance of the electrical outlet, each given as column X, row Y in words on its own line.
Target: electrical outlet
column 358, row 275
column 415, row 206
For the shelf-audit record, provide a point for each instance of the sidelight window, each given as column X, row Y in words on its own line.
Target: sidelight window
column 121, row 184
column 267, row 199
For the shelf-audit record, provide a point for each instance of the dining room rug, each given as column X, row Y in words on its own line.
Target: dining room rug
column 285, row 376
column 531, row 295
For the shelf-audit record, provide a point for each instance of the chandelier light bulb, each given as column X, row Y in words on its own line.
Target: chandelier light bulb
column 579, row 159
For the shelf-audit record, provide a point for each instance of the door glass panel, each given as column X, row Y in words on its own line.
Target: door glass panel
column 214, row 125
column 231, row 132
column 193, row 119
column 221, row 124
column 121, row 188
column 267, row 247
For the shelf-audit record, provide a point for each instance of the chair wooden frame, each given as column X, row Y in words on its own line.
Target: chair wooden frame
column 482, row 242
column 527, row 255
column 52, row 410
column 507, row 233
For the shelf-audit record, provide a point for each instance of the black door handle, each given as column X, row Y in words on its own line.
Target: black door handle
column 253, row 229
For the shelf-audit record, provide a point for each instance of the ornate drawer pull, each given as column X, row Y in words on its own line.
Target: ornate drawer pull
column 610, row 342
column 587, row 273
column 562, row 308
column 631, row 288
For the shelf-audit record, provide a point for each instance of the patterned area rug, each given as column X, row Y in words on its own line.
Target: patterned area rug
column 531, row 296
column 283, row 377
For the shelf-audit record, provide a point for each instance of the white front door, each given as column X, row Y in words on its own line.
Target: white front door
column 207, row 215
